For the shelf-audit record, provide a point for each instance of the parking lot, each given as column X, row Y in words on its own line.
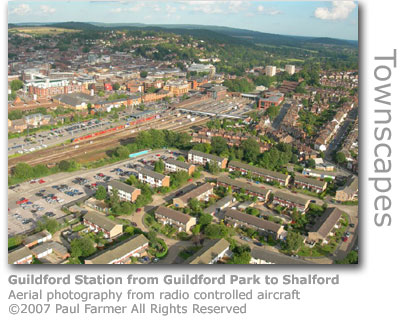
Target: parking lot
column 31, row 200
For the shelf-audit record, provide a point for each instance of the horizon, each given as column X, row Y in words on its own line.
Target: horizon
column 316, row 19
column 128, row 24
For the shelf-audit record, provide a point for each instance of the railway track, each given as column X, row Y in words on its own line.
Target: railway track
column 100, row 143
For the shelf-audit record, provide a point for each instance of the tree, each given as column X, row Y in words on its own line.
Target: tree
column 294, row 241
column 181, row 158
column 22, row 170
column 15, row 114
column 213, row 167
column 116, row 86
column 340, row 158
column 251, row 149
column 205, row 219
column 67, row 165
column 82, row 247
column 101, row 193
column 122, row 152
column 216, row 231
column 144, row 74
column 219, row 145
column 16, row 85
column 311, row 163
column 159, row 166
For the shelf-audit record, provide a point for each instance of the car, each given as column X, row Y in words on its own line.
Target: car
column 344, row 239
column 49, row 214
column 21, row 201
column 155, row 260
column 292, row 191
column 245, row 238
column 258, row 244
column 138, row 209
column 347, row 234
column 41, row 181
column 313, row 201
column 352, row 225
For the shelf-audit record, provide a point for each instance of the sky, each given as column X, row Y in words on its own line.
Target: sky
column 335, row 19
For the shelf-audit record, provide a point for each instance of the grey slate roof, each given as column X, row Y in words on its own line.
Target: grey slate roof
column 173, row 214
column 219, row 204
column 18, row 254
column 196, row 192
column 178, row 163
column 35, row 237
column 275, row 258
column 327, row 221
column 242, row 185
column 100, row 220
column 262, row 171
column 151, row 173
column 208, row 253
column 118, row 251
column 310, row 181
column 291, row 198
column 252, row 220
column 121, row 186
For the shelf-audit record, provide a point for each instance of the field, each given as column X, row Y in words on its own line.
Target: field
column 41, row 30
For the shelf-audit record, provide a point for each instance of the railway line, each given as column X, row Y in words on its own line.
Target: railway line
column 103, row 142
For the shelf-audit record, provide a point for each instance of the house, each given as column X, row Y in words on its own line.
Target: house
column 237, row 218
column 219, row 205
column 265, row 174
column 238, row 186
column 349, row 191
column 125, row 191
column 325, row 226
column 291, row 201
column 200, row 193
column 302, row 182
column 100, row 223
column 172, row 165
column 210, row 254
column 183, row 222
column 153, row 178
column 37, row 238
column 262, row 256
column 21, row 255
column 198, row 157
column 121, row 253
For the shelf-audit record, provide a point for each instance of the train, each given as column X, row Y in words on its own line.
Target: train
column 120, row 127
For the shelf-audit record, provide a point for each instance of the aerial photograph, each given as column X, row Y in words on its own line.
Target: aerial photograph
column 183, row 132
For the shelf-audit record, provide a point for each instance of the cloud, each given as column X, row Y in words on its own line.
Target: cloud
column 21, row 9
column 263, row 11
column 47, row 9
column 340, row 10
column 260, row 8
column 135, row 8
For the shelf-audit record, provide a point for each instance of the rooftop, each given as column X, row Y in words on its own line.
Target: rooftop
column 252, row 220
column 100, row 220
column 208, row 253
column 242, row 185
column 173, row 214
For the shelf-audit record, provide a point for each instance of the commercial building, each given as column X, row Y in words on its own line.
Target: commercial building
column 325, row 226
column 267, row 175
column 249, row 189
column 179, row 220
column 153, row 178
column 290, row 69
column 200, row 193
column 291, row 201
column 125, row 191
column 270, row 99
column 310, row 184
column 237, row 218
column 100, row 223
column 271, row 71
column 121, row 253
column 210, row 254
column 172, row 165
column 198, row 157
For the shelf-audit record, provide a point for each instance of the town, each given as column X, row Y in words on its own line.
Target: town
column 157, row 146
